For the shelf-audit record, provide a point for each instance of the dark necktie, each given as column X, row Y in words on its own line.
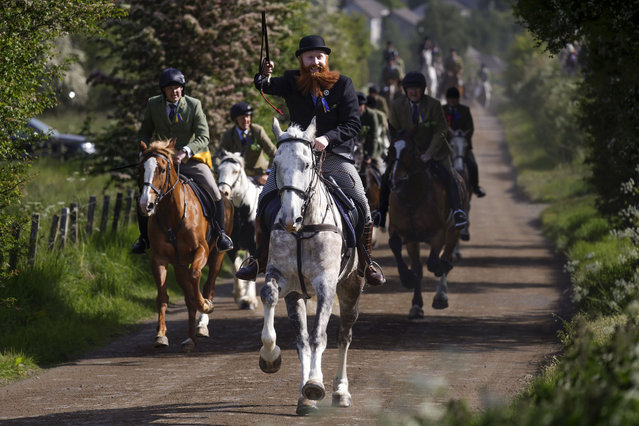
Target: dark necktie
column 415, row 114
column 172, row 112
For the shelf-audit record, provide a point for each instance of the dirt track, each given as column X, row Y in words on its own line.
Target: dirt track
column 498, row 329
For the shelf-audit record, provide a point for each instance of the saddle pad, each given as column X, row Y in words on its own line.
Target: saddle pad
column 349, row 221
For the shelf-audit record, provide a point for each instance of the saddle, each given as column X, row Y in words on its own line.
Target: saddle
column 206, row 201
column 352, row 218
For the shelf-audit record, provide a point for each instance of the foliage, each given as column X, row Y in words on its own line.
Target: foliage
column 536, row 84
column 610, row 101
column 215, row 43
column 28, row 31
column 446, row 27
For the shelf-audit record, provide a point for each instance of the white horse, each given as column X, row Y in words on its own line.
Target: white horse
column 304, row 260
column 243, row 193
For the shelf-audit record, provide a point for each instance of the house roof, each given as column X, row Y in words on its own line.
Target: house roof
column 408, row 16
column 370, row 8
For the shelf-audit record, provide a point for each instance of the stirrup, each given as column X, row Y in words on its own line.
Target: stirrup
column 460, row 225
column 378, row 268
column 248, row 261
column 228, row 239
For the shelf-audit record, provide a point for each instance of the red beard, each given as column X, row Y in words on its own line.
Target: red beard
column 316, row 83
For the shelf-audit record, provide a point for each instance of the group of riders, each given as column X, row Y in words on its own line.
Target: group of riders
column 354, row 134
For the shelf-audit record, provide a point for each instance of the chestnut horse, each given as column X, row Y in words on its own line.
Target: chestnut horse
column 418, row 212
column 179, row 234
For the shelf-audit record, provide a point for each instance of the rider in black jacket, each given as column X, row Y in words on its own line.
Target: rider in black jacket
column 316, row 91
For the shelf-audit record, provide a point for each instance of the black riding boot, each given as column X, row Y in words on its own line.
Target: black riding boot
column 453, row 190
column 473, row 174
column 256, row 264
column 366, row 267
column 382, row 209
column 224, row 242
column 142, row 243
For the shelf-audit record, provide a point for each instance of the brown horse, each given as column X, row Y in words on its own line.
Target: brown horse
column 179, row 234
column 418, row 212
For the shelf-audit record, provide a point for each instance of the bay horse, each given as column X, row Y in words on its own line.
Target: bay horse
column 180, row 235
column 235, row 184
column 418, row 212
column 306, row 259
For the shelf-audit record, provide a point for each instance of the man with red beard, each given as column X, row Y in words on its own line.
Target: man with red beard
column 316, row 91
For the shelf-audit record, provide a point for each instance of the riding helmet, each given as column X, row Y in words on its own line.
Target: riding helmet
column 452, row 93
column 171, row 77
column 414, row 79
column 361, row 98
column 240, row 108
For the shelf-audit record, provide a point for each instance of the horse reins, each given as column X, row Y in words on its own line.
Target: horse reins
column 170, row 233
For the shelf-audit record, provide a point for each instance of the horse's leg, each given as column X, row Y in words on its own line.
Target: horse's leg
column 208, row 293
column 270, row 354
column 162, row 302
column 417, row 306
column 296, row 309
column 406, row 276
column 348, row 293
column 184, row 277
column 440, row 301
column 314, row 387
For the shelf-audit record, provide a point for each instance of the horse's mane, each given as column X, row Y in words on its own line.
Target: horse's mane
column 294, row 131
column 235, row 156
column 160, row 147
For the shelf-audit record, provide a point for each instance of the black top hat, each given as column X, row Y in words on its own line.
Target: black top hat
column 312, row 42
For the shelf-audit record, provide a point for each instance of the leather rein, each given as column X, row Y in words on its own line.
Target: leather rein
column 161, row 193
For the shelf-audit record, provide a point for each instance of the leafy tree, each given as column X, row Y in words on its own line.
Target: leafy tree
column 215, row 43
column 610, row 103
column 29, row 74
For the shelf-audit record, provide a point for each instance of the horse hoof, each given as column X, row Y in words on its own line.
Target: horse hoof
column 271, row 367
column 247, row 306
column 202, row 331
column 306, row 407
column 440, row 303
column 188, row 346
column 208, row 307
column 314, row 390
column 416, row 313
column 342, row 400
column 161, row 342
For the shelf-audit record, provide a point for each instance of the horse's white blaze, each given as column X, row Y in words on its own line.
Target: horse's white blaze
column 148, row 195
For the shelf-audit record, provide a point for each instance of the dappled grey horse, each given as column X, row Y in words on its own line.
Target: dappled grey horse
column 305, row 260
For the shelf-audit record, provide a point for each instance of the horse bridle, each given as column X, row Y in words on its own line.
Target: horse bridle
column 234, row 161
column 160, row 193
column 307, row 193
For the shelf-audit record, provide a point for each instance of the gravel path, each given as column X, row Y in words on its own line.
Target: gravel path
column 507, row 298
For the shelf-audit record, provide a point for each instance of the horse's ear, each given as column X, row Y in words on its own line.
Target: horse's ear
column 142, row 146
column 310, row 130
column 277, row 130
column 172, row 142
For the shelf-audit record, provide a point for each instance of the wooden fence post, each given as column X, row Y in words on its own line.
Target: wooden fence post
column 73, row 223
column 64, row 227
column 54, row 230
column 13, row 256
column 116, row 212
column 90, row 215
column 33, row 238
column 127, row 207
column 105, row 214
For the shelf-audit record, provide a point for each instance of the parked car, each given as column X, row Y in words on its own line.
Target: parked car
column 60, row 143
